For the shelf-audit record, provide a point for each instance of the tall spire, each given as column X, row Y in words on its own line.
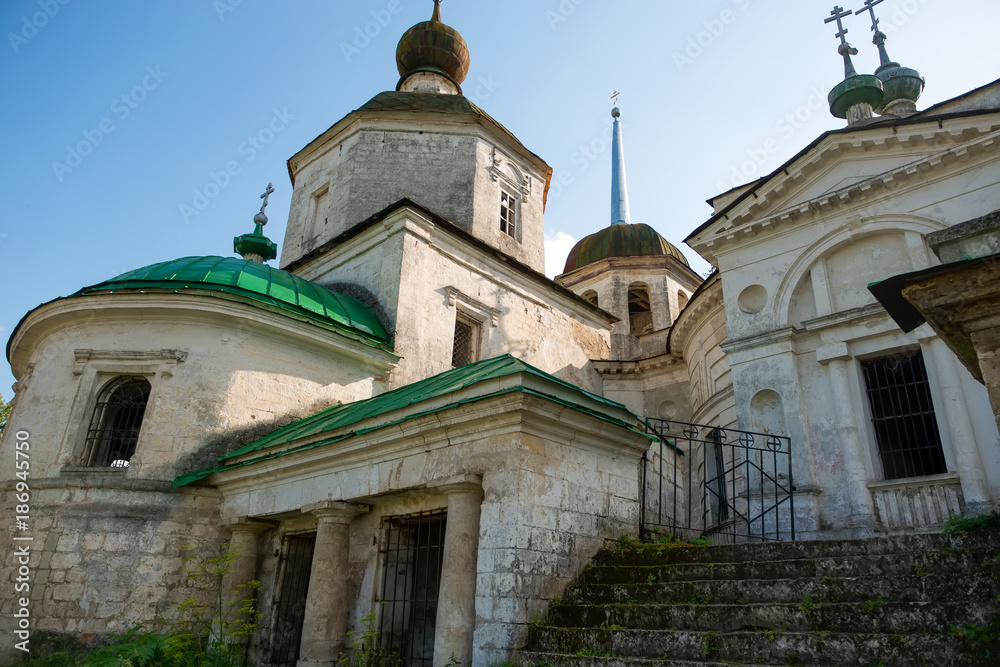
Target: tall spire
column 619, row 189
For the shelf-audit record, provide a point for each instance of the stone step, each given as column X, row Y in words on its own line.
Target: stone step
column 650, row 554
column 769, row 646
column 537, row 659
column 886, row 565
column 977, row 586
column 868, row 617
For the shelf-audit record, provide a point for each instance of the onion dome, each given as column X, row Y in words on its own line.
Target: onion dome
column 902, row 85
column 634, row 240
column 856, row 97
column 432, row 46
column 259, row 284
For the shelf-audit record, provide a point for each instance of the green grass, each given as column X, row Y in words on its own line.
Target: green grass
column 972, row 524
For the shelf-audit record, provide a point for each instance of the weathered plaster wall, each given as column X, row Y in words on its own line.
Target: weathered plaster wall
column 453, row 166
column 421, row 277
column 229, row 369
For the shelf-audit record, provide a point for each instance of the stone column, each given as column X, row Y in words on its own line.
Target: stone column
column 245, row 542
column 324, row 627
column 951, row 405
column 456, row 611
column 853, row 450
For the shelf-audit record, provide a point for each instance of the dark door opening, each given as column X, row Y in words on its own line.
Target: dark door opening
column 290, row 602
column 413, row 555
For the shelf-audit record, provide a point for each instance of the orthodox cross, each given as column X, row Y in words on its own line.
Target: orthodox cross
column 838, row 15
column 870, row 8
column 267, row 193
column 615, row 97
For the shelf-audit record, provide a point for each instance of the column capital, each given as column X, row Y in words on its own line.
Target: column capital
column 833, row 352
column 335, row 511
column 457, row 484
column 249, row 524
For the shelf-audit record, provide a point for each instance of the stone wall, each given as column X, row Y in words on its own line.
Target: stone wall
column 107, row 556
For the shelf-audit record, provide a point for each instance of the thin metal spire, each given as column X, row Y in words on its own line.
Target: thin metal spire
column 619, row 189
column 879, row 38
column 436, row 16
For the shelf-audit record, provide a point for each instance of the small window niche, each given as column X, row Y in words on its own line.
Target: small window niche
column 116, row 422
column 640, row 314
column 466, row 343
column 509, row 209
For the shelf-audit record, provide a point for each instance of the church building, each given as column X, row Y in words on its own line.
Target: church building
column 407, row 418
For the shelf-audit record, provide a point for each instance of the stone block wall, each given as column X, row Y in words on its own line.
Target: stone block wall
column 105, row 559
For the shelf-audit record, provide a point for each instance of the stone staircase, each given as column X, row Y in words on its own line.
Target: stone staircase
column 889, row 601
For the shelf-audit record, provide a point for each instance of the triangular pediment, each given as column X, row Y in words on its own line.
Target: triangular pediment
column 846, row 166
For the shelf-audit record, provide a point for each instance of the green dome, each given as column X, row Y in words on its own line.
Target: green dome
column 636, row 240
column 231, row 277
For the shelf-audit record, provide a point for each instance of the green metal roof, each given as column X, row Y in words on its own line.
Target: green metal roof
column 628, row 240
column 231, row 277
column 341, row 416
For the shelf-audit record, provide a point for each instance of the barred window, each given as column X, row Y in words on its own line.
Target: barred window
column 906, row 428
column 465, row 346
column 114, row 426
column 508, row 214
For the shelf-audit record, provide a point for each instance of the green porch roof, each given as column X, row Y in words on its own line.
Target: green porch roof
column 341, row 416
column 231, row 277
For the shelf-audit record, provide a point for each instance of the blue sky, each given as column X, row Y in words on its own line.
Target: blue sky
column 120, row 117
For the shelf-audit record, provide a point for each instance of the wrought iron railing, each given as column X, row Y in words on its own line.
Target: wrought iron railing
column 730, row 485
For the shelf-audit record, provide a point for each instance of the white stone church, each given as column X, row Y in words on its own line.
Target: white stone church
column 409, row 418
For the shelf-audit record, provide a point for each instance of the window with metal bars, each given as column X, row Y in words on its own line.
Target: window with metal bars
column 906, row 427
column 115, row 424
column 413, row 554
column 290, row 602
column 465, row 346
column 508, row 214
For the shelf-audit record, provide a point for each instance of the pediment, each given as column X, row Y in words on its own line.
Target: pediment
column 846, row 166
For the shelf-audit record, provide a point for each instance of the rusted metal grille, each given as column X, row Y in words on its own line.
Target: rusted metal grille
column 464, row 350
column 413, row 554
column 906, row 427
column 290, row 602
column 508, row 214
column 114, row 427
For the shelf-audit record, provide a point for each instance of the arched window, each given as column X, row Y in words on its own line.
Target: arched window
column 591, row 296
column 682, row 300
column 114, row 426
column 640, row 315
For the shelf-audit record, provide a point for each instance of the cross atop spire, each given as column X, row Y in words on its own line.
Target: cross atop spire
column 614, row 97
column 870, row 8
column 267, row 193
column 838, row 14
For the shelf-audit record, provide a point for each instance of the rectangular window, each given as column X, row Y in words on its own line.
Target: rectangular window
column 290, row 601
column 465, row 347
column 413, row 555
column 906, row 428
column 508, row 214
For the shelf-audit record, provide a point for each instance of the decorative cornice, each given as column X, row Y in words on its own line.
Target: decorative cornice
column 747, row 221
column 455, row 295
column 170, row 357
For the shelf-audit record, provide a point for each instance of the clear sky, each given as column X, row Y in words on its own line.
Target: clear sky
column 120, row 117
